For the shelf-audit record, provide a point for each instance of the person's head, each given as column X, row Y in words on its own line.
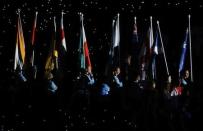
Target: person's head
column 117, row 71
column 153, row 84
column 128, row 60
column 142, row 66
column 186, row 74
column 105, row 89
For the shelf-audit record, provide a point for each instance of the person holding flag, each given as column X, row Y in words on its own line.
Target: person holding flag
column 52, row 63
column 84, row 57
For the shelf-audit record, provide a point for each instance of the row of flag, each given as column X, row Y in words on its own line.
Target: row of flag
column 51, row 64
column 146, row 56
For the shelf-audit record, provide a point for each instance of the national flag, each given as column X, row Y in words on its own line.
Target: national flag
column 151, row 36
column 116, row 33
column 114, row 49
column 183, row 54
column 134, row 47
column 51, row 61
column 20, row 46
column 84, row 57
column 154, row 54
column 62, row 34
column 146, row 52
column 116, row 42
column 33, row 39
column 135, row 35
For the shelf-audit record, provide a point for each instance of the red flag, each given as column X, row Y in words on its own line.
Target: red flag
column 85, row 61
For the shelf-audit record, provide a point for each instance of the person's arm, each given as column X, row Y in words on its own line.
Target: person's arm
column 118, row 82
column 91, row 79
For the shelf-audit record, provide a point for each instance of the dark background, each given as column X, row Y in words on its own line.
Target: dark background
column 98, row 15
column 172, row 14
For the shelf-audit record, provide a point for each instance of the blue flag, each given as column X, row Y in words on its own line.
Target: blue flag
column 184, row 47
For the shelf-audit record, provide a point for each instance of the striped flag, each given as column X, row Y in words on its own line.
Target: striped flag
column 33, row 39
column 20, row 46
column 62, row 34
column 183, row 54
column 84, row 57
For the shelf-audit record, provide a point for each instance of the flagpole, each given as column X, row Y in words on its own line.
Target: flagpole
column 151, row 35
column 113, row 41
column 163, row 48
column 191, row 71
column 119, row 39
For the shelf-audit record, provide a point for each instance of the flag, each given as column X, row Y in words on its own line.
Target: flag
column 154, row 54
column 145, row 55
column 116, row 32
column 51, row 61
column 135, row 35
column 20, row 46
column 114, row 49
column 116, row 42
column 62, row 34
column 33, row 39
column 84, row 57
column 134, row 47
column 184, row 47
column 62, row 50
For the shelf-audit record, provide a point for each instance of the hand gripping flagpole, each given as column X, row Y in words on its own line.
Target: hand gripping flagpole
column 163, row 49
column 191, row 71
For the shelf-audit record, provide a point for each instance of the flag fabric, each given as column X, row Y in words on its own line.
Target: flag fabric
column 114, row 49
column 183, row 54
column 151, row 38
column 84, row 57
column 33, row 39
column 20, row 47
column 116, row 42
column 146, row 50
column 145, row 54
column 154, row 54
column 116, row 32
column 135, row 35
column 62, row 34
column 134, row 47
column 62, row 50
column 51, row 65
column 51, row 61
